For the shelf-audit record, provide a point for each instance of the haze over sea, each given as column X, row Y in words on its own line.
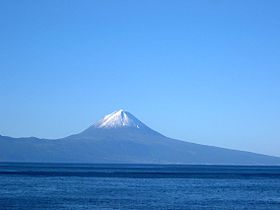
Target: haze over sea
column 104, row 186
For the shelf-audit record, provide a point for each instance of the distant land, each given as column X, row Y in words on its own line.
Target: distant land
column 121, row 138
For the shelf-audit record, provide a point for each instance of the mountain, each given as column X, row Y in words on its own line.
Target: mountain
column 121, row 138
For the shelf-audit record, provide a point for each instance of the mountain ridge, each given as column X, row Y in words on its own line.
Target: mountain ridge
column 121, row 138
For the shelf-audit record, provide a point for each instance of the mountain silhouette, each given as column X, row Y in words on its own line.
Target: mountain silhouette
column 121, row 138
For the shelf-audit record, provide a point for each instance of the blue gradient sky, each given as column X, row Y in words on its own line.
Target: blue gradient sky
column 203, row 71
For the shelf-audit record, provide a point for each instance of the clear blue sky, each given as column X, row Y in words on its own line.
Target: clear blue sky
column 203, row 71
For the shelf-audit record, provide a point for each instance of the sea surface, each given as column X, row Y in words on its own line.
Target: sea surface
column 105, row 186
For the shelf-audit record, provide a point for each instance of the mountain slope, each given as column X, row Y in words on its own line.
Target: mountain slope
column 122, row 138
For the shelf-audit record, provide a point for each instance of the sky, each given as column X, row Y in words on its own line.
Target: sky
column 201, row 71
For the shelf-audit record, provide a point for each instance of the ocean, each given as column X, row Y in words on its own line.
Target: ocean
column 125, row 186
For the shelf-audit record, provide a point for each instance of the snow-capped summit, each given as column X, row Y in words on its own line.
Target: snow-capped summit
column 121, row 138
column 119, row 119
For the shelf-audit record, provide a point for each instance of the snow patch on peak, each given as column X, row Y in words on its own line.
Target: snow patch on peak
column 119, row 119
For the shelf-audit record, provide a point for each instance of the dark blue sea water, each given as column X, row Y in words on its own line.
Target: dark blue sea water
column 63, row 186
